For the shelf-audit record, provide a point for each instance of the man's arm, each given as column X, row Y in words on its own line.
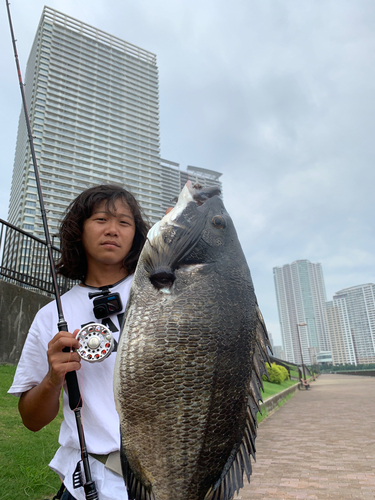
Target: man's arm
column 40, row 405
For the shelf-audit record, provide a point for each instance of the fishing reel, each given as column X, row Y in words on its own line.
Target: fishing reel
column 96, row 341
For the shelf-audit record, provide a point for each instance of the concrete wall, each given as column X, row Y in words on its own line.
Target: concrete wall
column 18, row 307
column 367, row 373
column 271, row 403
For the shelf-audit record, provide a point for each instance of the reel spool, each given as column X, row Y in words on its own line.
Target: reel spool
column 96, row 341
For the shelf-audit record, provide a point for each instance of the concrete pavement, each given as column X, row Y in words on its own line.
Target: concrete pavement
column 320, row 445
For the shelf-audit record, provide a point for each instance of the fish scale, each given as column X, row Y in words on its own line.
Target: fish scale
column 192, row 337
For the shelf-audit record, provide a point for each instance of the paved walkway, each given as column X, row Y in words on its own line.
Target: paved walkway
column 320, row 445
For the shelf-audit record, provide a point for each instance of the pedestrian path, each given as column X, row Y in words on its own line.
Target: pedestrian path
column 320, row 445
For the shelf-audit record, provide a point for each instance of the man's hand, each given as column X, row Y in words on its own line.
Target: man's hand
column 40, row 405
column 61, row 362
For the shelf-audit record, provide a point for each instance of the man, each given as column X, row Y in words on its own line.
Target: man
column 101, row 237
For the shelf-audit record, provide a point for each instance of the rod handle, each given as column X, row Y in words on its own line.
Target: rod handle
column 75, row 399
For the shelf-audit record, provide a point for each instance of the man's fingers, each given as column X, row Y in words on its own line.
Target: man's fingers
column 72, row 367
column 62, row 340
column 62, row 356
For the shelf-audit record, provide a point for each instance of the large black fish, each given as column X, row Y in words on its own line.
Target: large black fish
column 191, row 357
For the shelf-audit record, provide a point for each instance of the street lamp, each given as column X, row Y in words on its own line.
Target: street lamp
column 300, row 348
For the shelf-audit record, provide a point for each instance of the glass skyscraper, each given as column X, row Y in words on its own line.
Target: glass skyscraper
column 93, row 102
column 301, row 297
column 352, row 325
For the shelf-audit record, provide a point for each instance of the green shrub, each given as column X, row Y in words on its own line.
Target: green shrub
column 277, row 374
column 285, row 373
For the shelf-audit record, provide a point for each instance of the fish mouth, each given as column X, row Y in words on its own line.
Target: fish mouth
column 190, row 193
column 201, row 194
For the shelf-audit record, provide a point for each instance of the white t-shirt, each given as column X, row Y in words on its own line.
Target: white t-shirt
column 95, row 380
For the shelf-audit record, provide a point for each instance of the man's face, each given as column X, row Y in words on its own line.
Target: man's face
column 108, row 236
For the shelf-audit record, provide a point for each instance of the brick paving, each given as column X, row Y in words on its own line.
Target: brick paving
column 320, row 445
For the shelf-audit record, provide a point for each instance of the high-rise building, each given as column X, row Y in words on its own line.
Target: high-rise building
column 279, row 352
column 351, row 325
column 301, row 297
column 339, row 332
column 93, row 102
column 270, row 338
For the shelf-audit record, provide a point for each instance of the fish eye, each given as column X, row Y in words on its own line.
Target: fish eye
column 163, row 278
column 219, row 222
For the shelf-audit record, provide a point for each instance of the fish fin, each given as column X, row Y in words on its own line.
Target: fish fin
column 260, row 358
column 255, row 389
column 232, row 481
column 135, row 488
column 262, row 336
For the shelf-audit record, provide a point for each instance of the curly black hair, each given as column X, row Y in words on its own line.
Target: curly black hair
column 73, row 263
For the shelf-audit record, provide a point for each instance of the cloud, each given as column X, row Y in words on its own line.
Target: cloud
column 277, row 96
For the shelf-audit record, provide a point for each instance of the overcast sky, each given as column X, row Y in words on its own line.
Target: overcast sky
column 276, row 95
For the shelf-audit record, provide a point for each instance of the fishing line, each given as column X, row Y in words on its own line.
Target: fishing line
column 75, row 399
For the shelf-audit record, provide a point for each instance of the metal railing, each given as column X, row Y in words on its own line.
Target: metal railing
column 24, row 260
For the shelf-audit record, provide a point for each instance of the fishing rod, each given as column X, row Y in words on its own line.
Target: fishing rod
column 75, row 399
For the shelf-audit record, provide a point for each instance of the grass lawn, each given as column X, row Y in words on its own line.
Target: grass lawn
column 272, row 389
column 24, row 455
column 294, row 373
